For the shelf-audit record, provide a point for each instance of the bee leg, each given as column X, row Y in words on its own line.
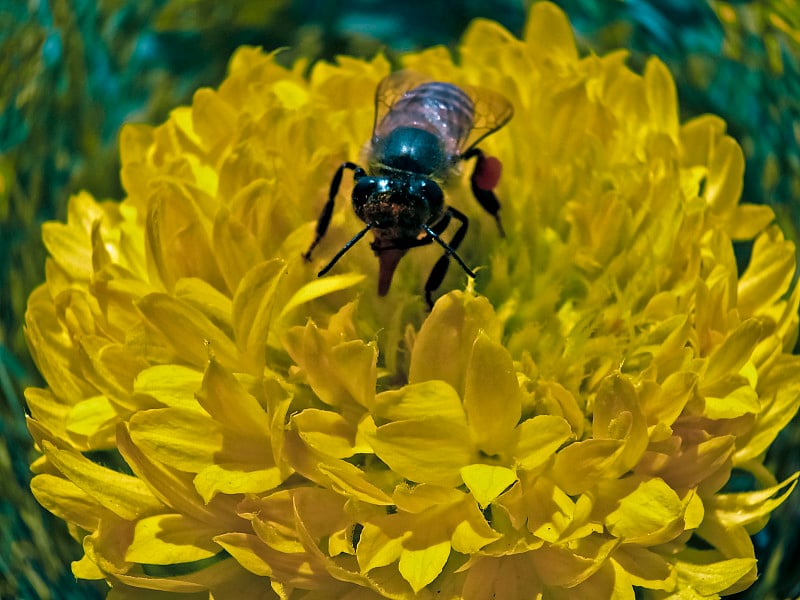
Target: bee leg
column 344, row 249
column 440, row 268
column 484, row 179
column 327, row 210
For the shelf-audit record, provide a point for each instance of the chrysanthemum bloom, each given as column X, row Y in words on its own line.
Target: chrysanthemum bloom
column 563, row 428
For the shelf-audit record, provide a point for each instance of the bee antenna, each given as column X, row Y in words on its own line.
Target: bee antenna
column 448, row 250
column 344, row 249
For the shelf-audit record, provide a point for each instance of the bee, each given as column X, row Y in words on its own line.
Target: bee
column 423, row 130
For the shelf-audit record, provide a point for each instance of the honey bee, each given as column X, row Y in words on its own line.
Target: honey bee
column 423, row 129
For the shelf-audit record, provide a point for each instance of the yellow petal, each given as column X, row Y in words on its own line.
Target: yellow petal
column 67, row 501
column 173, row 385
column 236, row 478
column 539, row 438
column 580, row 465
column 549, row 34
column 617, row 415
column 714, row 577
column 86, row 568
column 510, row 577
column 321, row 287
column 212, row 117
column 665, row 403
column 236, row 247
column 443, row 346
column 768, row 273
column 749, row 220
column 492, row 399
column 567, row 567
column 207, row 299
column 704, row 462
column 780, row 404
column 376, row 548
column 352, row 481
column 178, row 241
column 171, row 487
column 741, row 401
column 725, row 176
column 171, row 538
column 649, row 515
column 645, row 568
column 295, row 569
column 735, row 351
column 420, row 401
column 122, row 494
column 226, row 400
column 420, row 567
column 699, row 136
column 359, row 362
column 552, row 515
column 252, row 309
column 211, row 577
column 326, row 432
column 46, row 409
column 419, row 498
column 486, row 482
column 339, row 373
column 185, row 439
column 429, row 450
column 472, row 533
column 187, row 331
column 662, row 98
column 748, row 507
column 248, row 551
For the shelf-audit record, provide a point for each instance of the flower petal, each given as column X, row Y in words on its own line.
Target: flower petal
column 539, row 438
column 418, row 401
column 443, row 346
column 429, row 450
column 236, row 478
column 549, row 34
column 651, row 514
column 171, row 538
column 252, row 309
column 486, row 482
column 492, row 399
column 66, row 500
column 187, row 331
column 420, row 567
column 122, row 494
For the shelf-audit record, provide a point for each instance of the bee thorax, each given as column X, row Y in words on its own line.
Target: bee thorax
column 409, row 150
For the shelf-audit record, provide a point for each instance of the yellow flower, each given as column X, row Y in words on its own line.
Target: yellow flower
column 563, row 428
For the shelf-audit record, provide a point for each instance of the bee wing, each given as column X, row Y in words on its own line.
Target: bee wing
column 391, row 89
column 492, row 111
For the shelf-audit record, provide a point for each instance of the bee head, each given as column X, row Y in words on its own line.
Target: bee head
column 404, row 202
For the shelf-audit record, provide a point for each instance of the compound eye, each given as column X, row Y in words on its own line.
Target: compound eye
column 364, row 189
column 433, row 195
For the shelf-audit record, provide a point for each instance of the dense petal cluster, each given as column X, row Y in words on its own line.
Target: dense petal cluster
column 562, row 428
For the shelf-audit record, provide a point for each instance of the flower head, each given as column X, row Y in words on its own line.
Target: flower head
column 565, row 426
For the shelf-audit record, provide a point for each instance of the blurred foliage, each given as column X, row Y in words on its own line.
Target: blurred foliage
column 72, row 71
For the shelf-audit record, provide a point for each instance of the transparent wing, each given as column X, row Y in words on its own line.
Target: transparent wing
column 391, row 89
column 492, row 111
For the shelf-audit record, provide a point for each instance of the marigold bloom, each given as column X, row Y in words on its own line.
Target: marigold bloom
column 562, row 429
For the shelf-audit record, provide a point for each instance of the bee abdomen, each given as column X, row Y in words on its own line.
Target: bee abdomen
column 444, row 107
